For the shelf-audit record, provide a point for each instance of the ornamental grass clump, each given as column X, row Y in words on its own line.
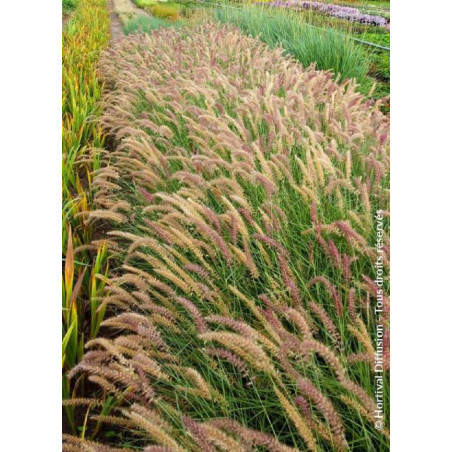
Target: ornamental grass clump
column 239, row 201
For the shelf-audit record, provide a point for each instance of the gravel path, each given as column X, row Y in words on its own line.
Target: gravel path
column 115, row 24
column 120, row 12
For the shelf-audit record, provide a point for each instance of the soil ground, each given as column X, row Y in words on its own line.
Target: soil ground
column 123, row 8
column 115, row 24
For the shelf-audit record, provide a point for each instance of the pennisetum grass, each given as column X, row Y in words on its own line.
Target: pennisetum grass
column 234, row 202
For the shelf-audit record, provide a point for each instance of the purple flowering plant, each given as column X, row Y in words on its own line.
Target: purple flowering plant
column 341, row 12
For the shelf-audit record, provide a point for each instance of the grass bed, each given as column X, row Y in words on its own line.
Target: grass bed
column 163, row 11
column 327, row 47
column 85, row 35
column 240, row 202
column 145, row 24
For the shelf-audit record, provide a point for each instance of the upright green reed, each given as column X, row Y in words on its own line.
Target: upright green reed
column 144, row 24
column 324, row 47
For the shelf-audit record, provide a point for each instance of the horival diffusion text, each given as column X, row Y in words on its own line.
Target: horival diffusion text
column 378, row 362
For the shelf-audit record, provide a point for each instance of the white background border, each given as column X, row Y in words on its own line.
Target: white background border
column 30, row 225
column 421, row 226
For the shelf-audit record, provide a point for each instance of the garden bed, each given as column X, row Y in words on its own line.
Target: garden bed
column 239, row 200
column 219, row 203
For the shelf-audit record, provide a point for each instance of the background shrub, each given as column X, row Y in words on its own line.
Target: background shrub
column 165, row 11
column 69, row 5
